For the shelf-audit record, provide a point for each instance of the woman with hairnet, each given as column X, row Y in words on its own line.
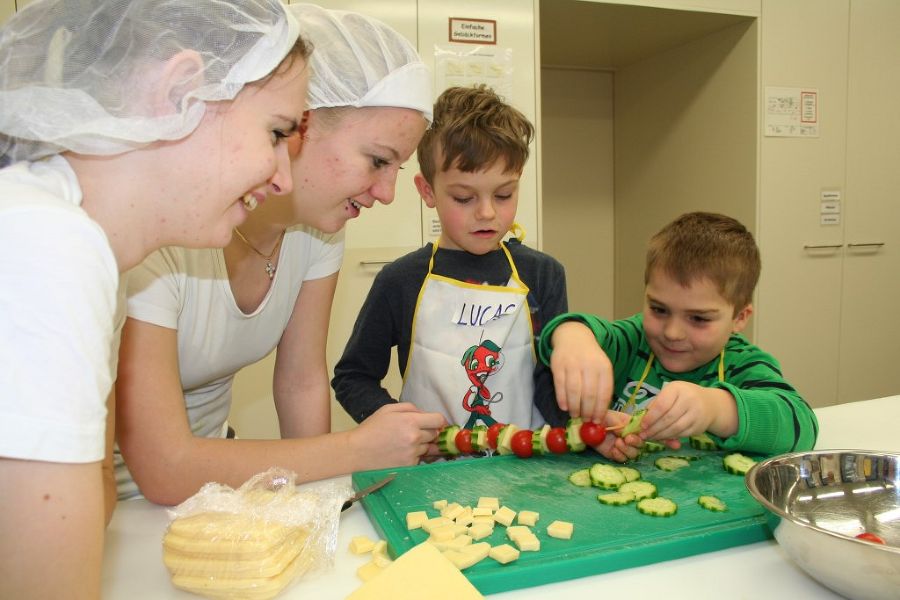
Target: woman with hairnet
column 125, row 126
column 196, row 317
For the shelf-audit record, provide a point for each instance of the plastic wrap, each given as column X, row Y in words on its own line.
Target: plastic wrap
column 252, row 542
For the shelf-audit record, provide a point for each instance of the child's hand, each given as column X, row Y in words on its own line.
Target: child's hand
column 682, row 409
column 398, row 434
column 582, row 373
column 615, row 448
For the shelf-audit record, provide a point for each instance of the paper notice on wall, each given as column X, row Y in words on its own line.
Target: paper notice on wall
column 465, row 66
column 792, row 112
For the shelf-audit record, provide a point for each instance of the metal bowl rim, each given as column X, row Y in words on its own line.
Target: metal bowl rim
column 788, row 458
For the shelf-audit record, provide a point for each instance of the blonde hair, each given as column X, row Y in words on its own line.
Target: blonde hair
column 473, row 128
column 707, row 245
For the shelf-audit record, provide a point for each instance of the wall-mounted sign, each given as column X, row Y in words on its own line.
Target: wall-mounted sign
column 792, row 112
column 473, row 31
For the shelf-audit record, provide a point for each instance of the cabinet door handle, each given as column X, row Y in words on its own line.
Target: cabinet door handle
column 374, row 263
column 866, row 245
column 822, row 246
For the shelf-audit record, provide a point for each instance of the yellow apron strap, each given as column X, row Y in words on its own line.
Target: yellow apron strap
column 434, row 247
column 629, row 406
column 518, row 232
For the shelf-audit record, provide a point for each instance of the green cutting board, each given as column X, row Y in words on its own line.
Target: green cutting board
column 606, row 538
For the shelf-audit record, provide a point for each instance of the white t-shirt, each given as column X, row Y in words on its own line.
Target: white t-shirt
column 58, row 317
column 188, row 290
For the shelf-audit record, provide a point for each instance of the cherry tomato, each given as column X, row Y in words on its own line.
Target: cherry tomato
column 870, row 537
column 463, row 441
column 556, row 440
column 521, row 443
column 493, row 432
column 592, row 434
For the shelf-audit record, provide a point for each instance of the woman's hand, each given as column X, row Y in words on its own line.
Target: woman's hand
column 396, row 435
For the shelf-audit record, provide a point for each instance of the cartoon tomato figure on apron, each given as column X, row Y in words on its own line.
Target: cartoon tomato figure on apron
column 463, row 334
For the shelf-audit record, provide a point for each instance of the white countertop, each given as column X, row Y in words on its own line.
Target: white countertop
column 133, row 568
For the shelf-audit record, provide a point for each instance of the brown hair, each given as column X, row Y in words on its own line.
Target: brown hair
column 473, row 128
column 714, row 246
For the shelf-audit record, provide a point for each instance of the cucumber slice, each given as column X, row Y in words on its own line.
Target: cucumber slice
column 616, row 498
column 581, row 478
column 606, row 476
column 505, row 437
column 630, row 473
column 639, row 489
column 573, row 435
column 737, row 464
column 702, row 442
column 479, row 438
column 634, row 425
column 651, row 446
column 712, row 503
column 657, row 507
column 539, row 441
column 671, row 463
column 447, row 440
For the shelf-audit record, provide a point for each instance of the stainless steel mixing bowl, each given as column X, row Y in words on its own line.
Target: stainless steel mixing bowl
column 820, row 501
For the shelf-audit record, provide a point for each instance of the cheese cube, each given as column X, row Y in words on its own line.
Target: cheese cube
column 439, row 504
column 447, row 532
column 560, row 529
column 516, row 531
column 451, row 511
column 468, row 556
column 505, row 515
column 415, row 519
column 504, row 553
column 465, row 517
column 379, row 554
column 360, row 544
column 528, row 517
column 480, row 531
column 489, row 502
column 528, row 542
column 432, row 524
column 484, row 519
column 457, row 543
column 368, row 571
column 482, row 511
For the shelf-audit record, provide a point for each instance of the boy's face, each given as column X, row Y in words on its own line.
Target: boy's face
column 476, row 209
column 687, row 327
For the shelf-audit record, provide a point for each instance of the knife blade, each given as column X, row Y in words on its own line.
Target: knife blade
column 367, row 490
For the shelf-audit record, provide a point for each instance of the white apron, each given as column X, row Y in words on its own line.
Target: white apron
column 471, row 356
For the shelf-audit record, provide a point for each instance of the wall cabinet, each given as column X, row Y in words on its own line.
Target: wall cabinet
column 827, row 291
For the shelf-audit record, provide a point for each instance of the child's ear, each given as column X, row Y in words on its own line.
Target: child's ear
column 425, row 190
column 741, row 319
column 180, row 74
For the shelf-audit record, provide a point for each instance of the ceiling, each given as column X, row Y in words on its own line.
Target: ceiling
column 595, row 35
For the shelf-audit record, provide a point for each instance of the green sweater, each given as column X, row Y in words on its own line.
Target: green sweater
column 772, row 417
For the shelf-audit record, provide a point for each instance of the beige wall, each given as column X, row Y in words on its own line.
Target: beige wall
column 685, row 140
column 577, row 182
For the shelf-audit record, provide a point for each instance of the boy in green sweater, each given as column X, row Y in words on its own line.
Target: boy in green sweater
column 682, row 358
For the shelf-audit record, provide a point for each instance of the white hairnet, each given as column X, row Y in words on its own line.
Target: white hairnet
column 78, row 74
column 360, row 61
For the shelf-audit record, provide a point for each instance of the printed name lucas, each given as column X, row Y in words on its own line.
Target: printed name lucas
column 477, row 315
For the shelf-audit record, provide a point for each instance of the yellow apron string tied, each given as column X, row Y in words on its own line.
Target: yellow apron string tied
column 518, row 232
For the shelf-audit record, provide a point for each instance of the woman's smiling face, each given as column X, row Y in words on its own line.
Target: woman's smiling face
column 350, row 161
